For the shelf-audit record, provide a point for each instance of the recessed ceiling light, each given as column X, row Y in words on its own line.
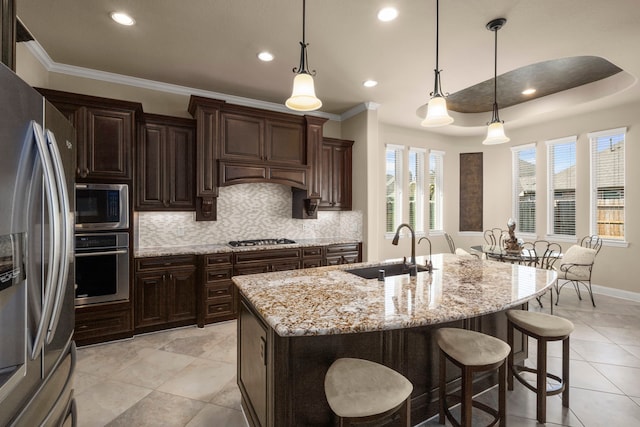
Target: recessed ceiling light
column 122, row 18
column 528, row 91
column 369, row 83
column 265, row 56
column 388, row 14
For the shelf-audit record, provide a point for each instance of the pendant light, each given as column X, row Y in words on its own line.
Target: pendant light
column 303, row 96
column 437, row 114
column 495, row 131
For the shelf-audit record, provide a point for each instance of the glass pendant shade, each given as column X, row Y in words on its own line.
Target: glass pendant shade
column 303, row 96
column 437, row 114
column 495, row 134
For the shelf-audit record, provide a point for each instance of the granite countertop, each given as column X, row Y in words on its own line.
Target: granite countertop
column 223, row 247
column 328, row 300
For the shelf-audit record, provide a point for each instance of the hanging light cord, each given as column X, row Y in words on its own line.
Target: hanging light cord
column 495, row 117
column 437, row 83
column 302, row 69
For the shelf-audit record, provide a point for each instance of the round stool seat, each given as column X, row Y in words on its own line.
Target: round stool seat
column 541, row 324
column 471, row 348
column 361, row 388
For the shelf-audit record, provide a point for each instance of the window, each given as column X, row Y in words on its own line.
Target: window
column 524, row 187
column 436, row 193
column 416, row 189
column 607, row 183
column 561, row 169
column 393, row 159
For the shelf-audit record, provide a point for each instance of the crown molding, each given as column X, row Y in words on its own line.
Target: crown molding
column 51, row 66
column 359, row 109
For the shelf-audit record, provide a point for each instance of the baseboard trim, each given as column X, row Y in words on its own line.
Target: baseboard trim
column 618, row 293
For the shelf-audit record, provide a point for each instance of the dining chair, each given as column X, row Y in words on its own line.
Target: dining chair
column 546, row 254
column 450, row 242
column 495, row 236
column 576, row 266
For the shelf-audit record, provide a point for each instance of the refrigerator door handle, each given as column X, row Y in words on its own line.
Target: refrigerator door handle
column 54, row 241
column 65, row 224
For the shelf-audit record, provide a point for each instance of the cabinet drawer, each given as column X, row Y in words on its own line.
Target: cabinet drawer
column 222, row 309
column 313, row 252
column 240, row 270
column 164, row 262
column 343, row 259
column 284, row 266
column 218, row 274
column 311, row 263
column 217, row 259
column 102, row 324
column 267, row 255
column 340, row 249
column 220, row 292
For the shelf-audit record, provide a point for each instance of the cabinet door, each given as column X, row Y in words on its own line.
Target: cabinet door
column 180, row 160
column 242, row 137
column 181, row 293
column 285, row 143
column 335, row 176
column 150, row 168
column 151, row 299
column 107, row 144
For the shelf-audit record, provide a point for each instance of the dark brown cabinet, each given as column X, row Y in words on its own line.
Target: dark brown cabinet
column 343, row 253
column 312, row 257
column 256, row 138
column 264, row 261
column 218, row 294
column 103, row 322
column 335, row 176
column 165, row 292
column 165, row 164
column 105, row 131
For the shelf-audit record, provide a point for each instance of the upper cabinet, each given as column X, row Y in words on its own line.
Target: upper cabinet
column 105, row 131
column 262, row 138
column 335, row 176
column 165, row 164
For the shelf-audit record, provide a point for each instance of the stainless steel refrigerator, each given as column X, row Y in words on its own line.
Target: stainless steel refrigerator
column 37, row 203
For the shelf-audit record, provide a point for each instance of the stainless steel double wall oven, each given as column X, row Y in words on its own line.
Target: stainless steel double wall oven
column 102, row 243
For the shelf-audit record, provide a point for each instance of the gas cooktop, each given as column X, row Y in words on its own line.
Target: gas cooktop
column 260, row 242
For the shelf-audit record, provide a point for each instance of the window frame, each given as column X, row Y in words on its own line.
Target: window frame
column 593, row 197
column 419, row 210
column 515, row 193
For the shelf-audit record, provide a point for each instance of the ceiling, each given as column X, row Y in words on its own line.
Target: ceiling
column 211, row 45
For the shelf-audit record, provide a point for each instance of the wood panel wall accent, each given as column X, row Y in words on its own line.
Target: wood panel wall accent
column 471, row 192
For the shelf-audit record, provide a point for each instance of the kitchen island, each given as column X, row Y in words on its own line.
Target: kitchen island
column 292, row 325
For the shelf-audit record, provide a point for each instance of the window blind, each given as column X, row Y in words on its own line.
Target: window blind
column 524, row 187
column 561, row 167
column 417, row 188
column 436, row 193
column 608, row 183
column 393, row 164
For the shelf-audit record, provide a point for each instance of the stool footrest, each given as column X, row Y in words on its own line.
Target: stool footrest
column 457, row 400
column 551, row 389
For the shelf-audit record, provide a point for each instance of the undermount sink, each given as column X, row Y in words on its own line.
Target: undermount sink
column 389, row 270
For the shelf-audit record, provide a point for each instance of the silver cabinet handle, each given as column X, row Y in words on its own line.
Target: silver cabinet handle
column 88, row 254
column 54, row 242
column 65, row 252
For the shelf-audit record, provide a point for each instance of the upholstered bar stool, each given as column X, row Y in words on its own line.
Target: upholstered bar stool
column 472, row 352
column 359, row 391
column 544, row 328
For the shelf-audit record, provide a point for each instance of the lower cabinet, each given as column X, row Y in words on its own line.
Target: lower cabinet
column 218, row 294
column 343, row 253
column 165, row 292
column 103, row 322
column 251, row 262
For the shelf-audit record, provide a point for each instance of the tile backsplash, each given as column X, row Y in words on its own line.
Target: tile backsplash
column 245, row 211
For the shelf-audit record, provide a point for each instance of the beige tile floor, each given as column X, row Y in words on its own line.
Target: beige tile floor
column 186, row 377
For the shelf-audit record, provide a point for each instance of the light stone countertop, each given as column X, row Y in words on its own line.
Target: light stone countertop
column 328, row 300
column 223, row 247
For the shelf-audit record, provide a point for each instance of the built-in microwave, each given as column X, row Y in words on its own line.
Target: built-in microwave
column 102, row 206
